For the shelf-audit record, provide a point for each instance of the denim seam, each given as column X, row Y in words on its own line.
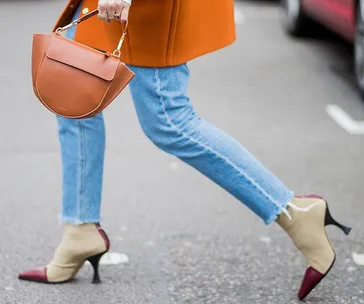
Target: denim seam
column 206, row 148
column 81, row 168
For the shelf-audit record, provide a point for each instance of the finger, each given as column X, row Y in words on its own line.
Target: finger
column 118, row 9
column 102, row 10
column 125, row 13
column 111, row 9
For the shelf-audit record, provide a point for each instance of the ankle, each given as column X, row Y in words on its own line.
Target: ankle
column 81, row 228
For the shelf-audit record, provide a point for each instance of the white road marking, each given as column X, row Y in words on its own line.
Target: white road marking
column 112, row 258
column 344, row 120
column 358, row 258
column 239, row 17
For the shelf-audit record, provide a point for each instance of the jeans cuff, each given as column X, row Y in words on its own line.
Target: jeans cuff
column 274, row 216
column 78, row 221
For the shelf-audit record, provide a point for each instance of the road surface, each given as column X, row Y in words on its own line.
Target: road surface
column 188, row 241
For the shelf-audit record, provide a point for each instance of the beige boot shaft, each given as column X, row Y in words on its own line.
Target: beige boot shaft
column 79, row 242
column 307, row 230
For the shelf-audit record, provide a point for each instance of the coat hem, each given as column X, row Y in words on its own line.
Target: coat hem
column 183, row 60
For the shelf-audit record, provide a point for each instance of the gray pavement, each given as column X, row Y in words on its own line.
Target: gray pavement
column 187, row 240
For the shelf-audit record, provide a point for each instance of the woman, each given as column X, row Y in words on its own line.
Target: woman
column 162, row 36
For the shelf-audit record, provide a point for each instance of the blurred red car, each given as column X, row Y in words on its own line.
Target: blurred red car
column 345, row 17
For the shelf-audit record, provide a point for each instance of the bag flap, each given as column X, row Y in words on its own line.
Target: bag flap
column 82, row 57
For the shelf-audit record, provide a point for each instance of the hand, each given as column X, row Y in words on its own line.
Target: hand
column 114, row 10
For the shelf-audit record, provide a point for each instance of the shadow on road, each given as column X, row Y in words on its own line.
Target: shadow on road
column 334, row 46
column 341, row 52
column 330, row 43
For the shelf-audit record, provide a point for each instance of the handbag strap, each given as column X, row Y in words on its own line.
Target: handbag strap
column 59, row 31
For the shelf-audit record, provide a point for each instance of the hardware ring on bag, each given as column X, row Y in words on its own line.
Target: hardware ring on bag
column 116, row 53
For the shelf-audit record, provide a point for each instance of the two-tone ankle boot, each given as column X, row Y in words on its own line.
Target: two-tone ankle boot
column 304, row 220
column 80, row 243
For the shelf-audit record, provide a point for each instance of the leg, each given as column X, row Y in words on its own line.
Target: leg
column 82, row 148
column 169, row 120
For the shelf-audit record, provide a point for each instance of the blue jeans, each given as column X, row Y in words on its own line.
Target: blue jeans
column 168, row 119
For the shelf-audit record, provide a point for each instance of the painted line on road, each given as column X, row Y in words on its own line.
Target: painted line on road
column 345, row 121
column 239, row 17
column 112, row 258
column 358, row 258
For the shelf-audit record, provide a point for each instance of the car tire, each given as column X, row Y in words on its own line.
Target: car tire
column 295, row 22
column 359, row 49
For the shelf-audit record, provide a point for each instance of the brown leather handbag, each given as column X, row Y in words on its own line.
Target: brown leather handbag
column 73, row 80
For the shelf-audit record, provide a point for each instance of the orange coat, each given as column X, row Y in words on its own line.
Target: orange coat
column 161, row 32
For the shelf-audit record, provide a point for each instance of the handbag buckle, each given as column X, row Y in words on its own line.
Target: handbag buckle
column 116, row 54
column 59, row 31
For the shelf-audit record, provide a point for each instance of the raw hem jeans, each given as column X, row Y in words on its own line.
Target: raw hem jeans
column 167, row 117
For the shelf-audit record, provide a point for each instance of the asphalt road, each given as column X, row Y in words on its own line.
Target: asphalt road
column 187, row 240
